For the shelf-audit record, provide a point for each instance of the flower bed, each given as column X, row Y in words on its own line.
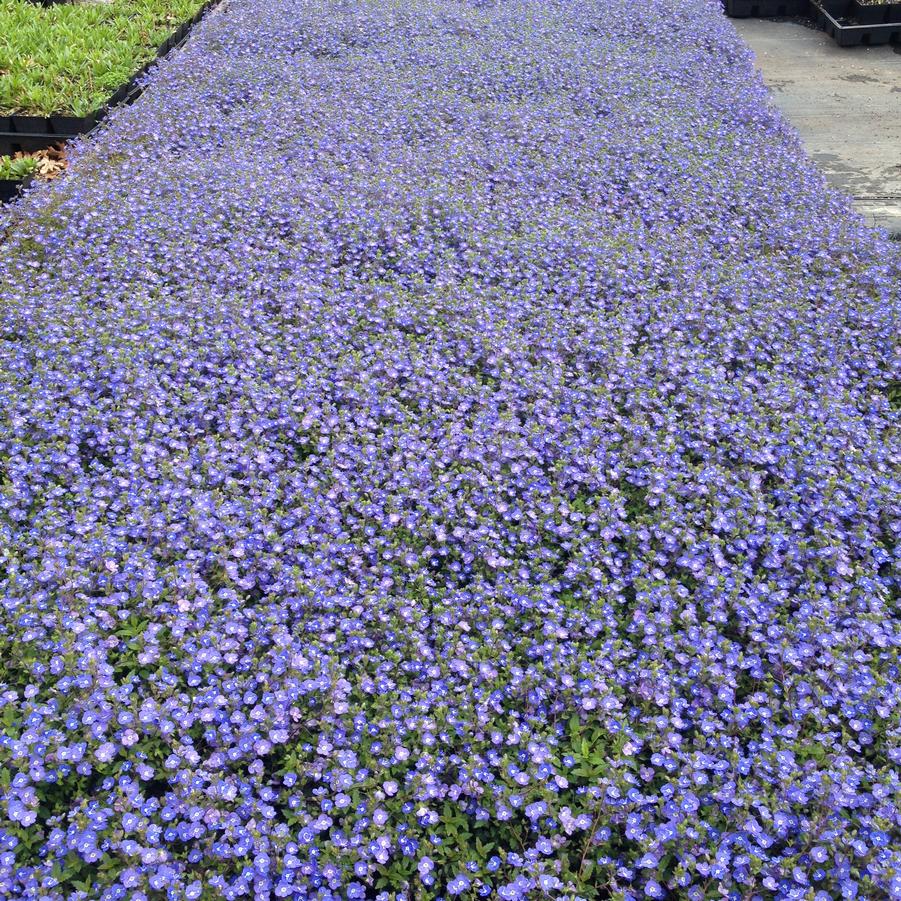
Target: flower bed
column 449, row 449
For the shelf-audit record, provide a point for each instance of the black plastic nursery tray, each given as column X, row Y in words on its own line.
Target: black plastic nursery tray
column 848, row 22
column 765, row 9
column 851, row 33
column 30, row 133
column 10, row 187
column 875, row 13
column 861, row 13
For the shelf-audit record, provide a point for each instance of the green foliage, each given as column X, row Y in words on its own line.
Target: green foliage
column 893, row 392
column 17, row 168
column 70, row 57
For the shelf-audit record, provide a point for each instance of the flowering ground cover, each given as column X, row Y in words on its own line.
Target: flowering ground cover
column 449, row 449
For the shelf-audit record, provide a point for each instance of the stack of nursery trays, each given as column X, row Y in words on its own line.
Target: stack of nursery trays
column 848, row 22
column 30, row 133
column 761, row 9
column 853, row 22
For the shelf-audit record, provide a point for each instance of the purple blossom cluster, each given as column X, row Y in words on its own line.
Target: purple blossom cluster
column 449, row 449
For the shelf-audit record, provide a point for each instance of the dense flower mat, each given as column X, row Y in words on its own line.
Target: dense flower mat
column 448, row 449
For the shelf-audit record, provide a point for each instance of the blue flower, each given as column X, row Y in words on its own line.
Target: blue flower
column 458, row 884
column 448, row 438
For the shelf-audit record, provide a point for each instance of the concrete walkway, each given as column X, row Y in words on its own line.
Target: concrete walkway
column 846, row 104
